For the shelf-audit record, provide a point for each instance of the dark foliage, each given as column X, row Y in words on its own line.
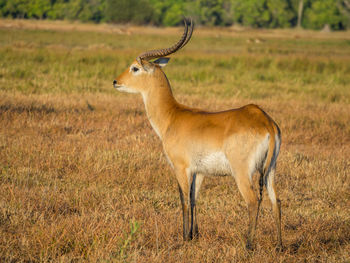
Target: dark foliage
column 314, row 14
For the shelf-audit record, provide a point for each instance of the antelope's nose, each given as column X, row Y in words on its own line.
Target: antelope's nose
column 114, row 82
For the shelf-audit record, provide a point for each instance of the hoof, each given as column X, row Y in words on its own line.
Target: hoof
column 195, row 234
column 188, row 238
column 279, row 248
column 249, row 246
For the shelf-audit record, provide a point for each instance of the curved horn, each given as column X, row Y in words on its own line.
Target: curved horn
column 167, row 51
column 189, row 34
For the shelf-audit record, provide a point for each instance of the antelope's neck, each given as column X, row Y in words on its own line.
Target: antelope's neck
column 161, row 107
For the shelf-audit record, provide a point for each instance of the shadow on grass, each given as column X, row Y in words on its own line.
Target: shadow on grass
column 320, row 234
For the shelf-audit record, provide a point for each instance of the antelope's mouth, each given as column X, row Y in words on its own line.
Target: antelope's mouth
column 123, row 88
column 120, row 87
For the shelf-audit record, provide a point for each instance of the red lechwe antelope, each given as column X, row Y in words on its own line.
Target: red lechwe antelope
column 237, row 142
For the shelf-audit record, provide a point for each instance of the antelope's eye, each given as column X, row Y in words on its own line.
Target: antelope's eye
column 135, row 69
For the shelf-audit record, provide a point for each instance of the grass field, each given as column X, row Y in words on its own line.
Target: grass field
column 82, row 173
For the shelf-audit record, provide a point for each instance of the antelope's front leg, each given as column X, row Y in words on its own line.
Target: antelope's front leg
column 194, row 227
column 183, row 179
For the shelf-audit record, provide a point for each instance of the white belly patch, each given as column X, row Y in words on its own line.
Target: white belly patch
column 214, row 164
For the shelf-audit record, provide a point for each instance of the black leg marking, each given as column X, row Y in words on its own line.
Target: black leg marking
column 193, row 202
column 261, row 185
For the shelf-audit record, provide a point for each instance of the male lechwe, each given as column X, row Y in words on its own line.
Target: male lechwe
column 198, row 143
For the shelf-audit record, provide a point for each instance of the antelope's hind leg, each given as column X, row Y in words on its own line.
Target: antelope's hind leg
column 245, row 187
column 276, row 205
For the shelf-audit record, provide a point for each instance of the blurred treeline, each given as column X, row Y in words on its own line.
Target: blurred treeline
column 311, row 14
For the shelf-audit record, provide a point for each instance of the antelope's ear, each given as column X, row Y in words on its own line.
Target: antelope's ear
column 162, row 62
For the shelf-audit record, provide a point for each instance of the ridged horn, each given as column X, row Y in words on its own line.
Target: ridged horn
column 167, row 51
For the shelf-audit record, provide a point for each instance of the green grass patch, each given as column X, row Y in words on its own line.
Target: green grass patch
column 47, row 61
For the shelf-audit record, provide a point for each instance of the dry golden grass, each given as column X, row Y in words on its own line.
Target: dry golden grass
column 83, row 177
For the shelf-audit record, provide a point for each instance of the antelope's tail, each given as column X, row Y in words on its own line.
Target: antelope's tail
column 272, row 153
